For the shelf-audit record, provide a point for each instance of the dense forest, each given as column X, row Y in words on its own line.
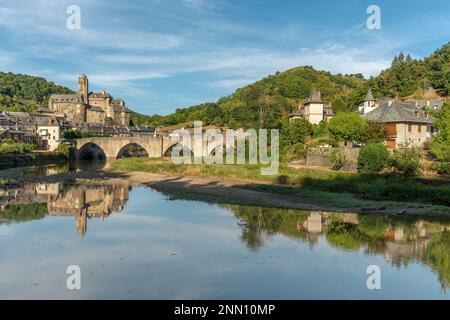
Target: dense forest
column 268, row 102
column 20, row 92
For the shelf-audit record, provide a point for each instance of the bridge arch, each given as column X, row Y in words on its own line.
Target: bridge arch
column 167, row 152
column 132, row 149
column 89, row 151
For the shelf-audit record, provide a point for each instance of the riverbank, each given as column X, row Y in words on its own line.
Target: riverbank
column 242, row 186
column 300, row 189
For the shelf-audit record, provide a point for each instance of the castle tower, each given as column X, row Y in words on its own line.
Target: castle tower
column 83, row 88
column 314, row 107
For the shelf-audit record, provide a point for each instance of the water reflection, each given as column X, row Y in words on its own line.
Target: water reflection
column 402, row 240
column 66, row 167
column 85, row 201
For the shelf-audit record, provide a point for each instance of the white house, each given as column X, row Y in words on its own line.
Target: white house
column 50, row 131
column 314, row 110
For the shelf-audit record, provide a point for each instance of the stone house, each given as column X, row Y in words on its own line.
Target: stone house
column 405, row 123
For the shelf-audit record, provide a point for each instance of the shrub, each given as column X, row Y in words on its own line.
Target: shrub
column 373, row 157
column 65, row 150
column 294, row 152
column 10, row 147
column 406, row 161
column 337, row 159
column 442, row 167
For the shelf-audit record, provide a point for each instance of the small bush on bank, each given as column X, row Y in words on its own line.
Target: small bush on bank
column 442, row 168
column 294, row 152
column 406, row 162
column 337, row 159
column 373, row 157
column 11, row 147
column 65, row 150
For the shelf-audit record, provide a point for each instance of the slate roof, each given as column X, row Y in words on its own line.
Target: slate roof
column 399, row 112
column 102, row 95
column 72, row 98
column 369, row 96
column 314, row 97
column 96, row 109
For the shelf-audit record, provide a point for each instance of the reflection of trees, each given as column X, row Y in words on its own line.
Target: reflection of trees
column 400, row 239
column 437, row 256
column 257, row 224
column 344, row 236
column 24, row 212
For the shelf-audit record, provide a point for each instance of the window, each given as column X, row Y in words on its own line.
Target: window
column 416, row 114
column 419, row 127
column 427, row 115
column 409, row 127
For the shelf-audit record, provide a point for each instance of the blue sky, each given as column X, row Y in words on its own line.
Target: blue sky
column 160, row 55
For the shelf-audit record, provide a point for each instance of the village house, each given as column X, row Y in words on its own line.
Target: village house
column 405, row 123
column 314, row 109
column 49, row 129
column 370, row 103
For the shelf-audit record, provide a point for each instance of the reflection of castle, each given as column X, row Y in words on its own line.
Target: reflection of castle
column 83, row 201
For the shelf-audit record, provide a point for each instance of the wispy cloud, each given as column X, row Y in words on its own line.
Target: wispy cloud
column 207, row 48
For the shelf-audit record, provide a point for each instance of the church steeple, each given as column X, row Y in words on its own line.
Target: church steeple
column 83, row 88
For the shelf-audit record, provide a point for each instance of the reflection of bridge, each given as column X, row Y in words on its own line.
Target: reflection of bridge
column 155, row 147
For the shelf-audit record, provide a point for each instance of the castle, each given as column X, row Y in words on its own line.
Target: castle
column 88, row 107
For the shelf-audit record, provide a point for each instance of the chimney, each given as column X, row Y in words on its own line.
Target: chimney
column 49, row 121
column 390, row 101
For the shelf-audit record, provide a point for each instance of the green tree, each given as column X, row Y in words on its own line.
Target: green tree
column 440, row 144
column 374, row 132
column 347, row 126
column 295, row 131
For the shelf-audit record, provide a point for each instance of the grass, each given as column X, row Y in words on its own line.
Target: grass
column 345, row 199
column 345, row 189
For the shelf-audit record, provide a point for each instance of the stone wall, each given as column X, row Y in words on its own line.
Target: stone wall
column 321, row 157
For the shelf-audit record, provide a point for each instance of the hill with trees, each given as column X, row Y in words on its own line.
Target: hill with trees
column 19, row 92
column 268, row 102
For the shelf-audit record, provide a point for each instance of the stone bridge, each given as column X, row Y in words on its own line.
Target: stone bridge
column 114, row 147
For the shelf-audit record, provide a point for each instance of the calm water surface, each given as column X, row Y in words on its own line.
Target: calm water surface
column 133, row 242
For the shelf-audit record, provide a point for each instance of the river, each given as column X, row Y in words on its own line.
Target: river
column 134, row 242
